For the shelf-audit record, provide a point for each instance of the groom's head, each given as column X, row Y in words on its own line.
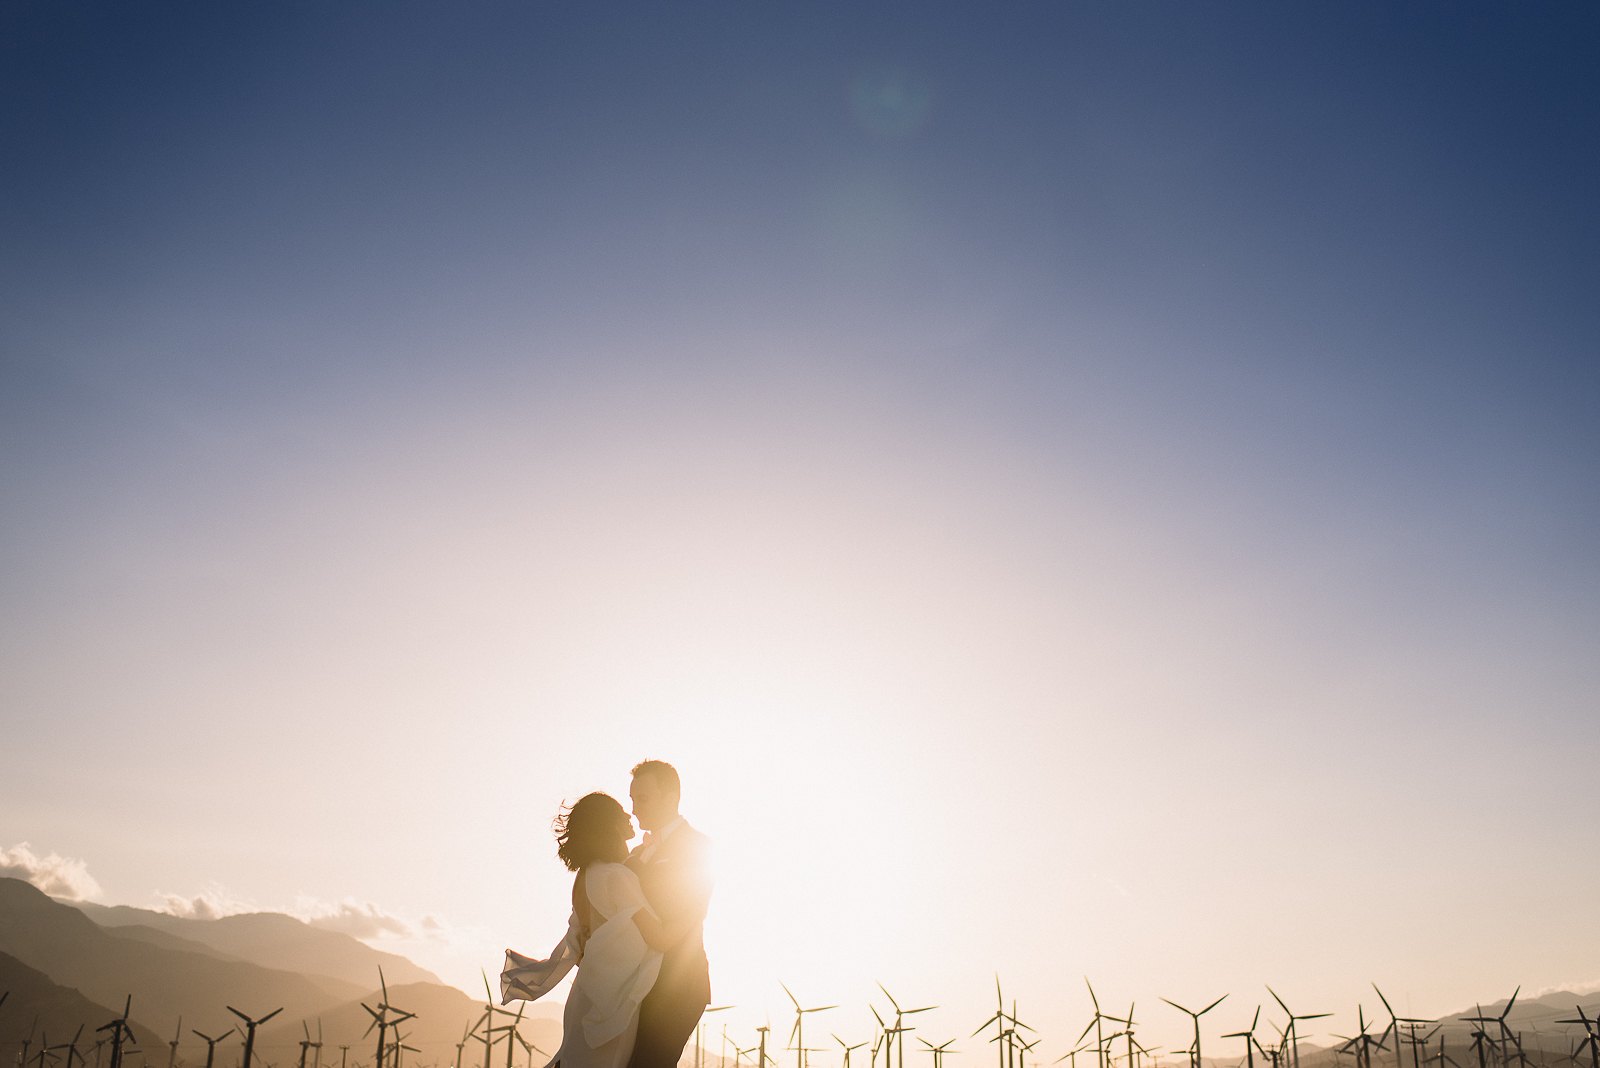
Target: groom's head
column 654, row 792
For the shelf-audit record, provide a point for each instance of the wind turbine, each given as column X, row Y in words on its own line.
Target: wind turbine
column 797, row 1032
column 121, row 1032
column 1394, row 1025
column 400, row 1046
column 938, row 1051
column 847, row 1048
column 1441, row 1058
column 1591, row 1031
column 900, row 1014
column 699, row 1033
column 1293, row 1032
column 22, row 1057
column 306, row 1044
column 380, row 1020
column 1249, row 1036
column 1275, row 1054
column 211, row 1045
column 46, row 1051
column 1096, row 1024
column 172, row 1047
column 886, row 1039
column 528, row 1047
column 250, row 1031
column 487, row 1019
column 1480, row 1037
column 1128, row 1033
column 72, row 1048
column 761, row 1047
column 1071, row 1055
column 1196, row 1017
column 998, row 1019
column 1362, row 1041
column 1505, row 1031
column 513, row 1036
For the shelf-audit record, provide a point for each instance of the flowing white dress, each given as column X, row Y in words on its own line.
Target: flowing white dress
column 615, row 971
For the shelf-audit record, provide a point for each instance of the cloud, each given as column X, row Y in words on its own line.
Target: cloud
column 64, row 877
column 1570, row 986
column 210, row 904
column 358, row 919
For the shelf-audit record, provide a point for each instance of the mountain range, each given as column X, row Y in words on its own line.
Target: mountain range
column 71, row 965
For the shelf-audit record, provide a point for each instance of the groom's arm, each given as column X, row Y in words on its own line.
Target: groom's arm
column 683, row 905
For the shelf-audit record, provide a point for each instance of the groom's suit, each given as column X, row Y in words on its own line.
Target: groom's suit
column 675, row 872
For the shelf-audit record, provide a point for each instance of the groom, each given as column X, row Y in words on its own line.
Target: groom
column 673, row 866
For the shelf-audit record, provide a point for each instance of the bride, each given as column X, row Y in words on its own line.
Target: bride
column 616, row 968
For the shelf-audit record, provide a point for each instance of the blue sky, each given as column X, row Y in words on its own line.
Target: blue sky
column 1049, row 397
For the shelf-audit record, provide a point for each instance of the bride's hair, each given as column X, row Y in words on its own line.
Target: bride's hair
column 594, row 829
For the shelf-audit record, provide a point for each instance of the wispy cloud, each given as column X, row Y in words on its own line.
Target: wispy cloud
column 360, row 919
column 58, row 876
column 1570, row 986
column 212, row 903
column 365, row 920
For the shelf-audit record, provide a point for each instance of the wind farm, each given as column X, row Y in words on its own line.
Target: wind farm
column 429, row 1025
column 1539, row 1036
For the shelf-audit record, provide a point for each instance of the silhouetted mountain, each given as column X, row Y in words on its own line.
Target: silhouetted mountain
column 1544, row 1040
column 54, row 946
column 271, row 940
column 168, row 982
column 44, row 1010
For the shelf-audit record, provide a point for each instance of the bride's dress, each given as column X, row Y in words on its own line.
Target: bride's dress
column 616, row 971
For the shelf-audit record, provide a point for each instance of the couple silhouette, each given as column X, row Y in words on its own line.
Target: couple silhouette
column 635, row 933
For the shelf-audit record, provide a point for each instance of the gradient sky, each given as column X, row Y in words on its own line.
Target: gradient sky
column 1076, row 489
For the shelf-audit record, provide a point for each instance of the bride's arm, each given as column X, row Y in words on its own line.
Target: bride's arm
column 527, row 978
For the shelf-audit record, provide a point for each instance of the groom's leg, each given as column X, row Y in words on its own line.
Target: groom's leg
column 665, row 1025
